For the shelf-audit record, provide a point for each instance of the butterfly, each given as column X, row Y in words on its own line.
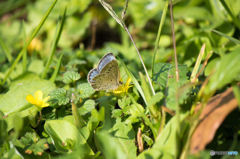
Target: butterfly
column 107, row 75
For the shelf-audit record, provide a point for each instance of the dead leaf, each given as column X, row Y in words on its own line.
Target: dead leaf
column 211, row 118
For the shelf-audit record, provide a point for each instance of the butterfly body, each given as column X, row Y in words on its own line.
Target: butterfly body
column 107, row 75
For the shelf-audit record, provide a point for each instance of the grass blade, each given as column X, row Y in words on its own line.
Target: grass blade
column 29, row 41
column 54, row 76
column 235, row 20
column 54, row 46
column 159, row 33
column 24, row 59
column 134, row 80
column 228, row 37
column 5, row 50
column 197, row 64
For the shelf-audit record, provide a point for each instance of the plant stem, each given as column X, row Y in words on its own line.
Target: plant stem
column 149, row 80
column 174, row 43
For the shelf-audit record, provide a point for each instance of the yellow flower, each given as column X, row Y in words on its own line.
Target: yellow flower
column 122, row 89
column 38, row 101
column 35, row 44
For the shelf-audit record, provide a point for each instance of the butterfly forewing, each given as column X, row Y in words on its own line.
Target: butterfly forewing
column 105, row 60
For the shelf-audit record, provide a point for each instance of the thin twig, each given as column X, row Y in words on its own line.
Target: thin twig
column 94, row 23
column 174, row 43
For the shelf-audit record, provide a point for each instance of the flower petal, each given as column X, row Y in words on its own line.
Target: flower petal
column 46, row 99
column 31, row 99
column 45, row 105
column 38, row 95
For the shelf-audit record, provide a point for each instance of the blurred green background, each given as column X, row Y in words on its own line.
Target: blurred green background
column 89, row 32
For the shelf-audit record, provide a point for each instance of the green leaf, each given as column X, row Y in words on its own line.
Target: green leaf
column 85, row 90
column 88, row 106
column 228, row 37
column 121, row 144
column 165, row 76
column 62, row 131
column 98, row 116
column 134, row 80
column 54, row 75
column 211, row 66
column 168, row 144
column 33, row 144
column 226, row 71
column 148, row 140
column 116, row 113
column 124, row 102
column 70, row 77
column 60, row 95
column 55, row 42
column 159, row 33
column 36, row 66
column 15, row 99
column 198, row 13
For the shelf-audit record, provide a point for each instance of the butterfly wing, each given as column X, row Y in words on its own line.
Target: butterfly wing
column 105, row 60
column 94, row 72
column 108, row 78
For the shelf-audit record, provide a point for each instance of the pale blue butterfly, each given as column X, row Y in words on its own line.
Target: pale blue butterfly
column 107, row 75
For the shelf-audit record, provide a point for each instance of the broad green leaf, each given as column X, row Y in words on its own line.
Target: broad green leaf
column 125, row 136
column 87, row 107
column 85, row 90
column 226, row 71
column 15, row 99
column 28, row 76
column 121, row 144
column 60, row 95
column 70, row 77
column 165, row 76
column 60, row 131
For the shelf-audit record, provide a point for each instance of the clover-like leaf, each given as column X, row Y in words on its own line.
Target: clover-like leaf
column 33, row 144
column 70, row 76
column 87, row 107
column 123, row 102
column 85, row 90
column 116, row 113
column 60, row 95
